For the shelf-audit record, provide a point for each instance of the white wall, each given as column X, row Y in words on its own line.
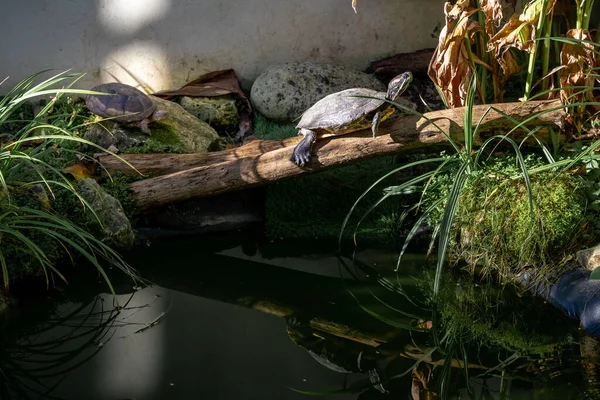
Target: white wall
column 164, row 43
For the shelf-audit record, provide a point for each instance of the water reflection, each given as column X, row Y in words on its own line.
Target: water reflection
column 223, row 327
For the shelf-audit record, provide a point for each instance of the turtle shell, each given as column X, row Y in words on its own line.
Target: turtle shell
column 127, row 104
column 341, row 112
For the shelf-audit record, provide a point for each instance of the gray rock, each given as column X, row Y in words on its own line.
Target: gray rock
column 195, row 135
column 114, row 227
column 219, row 112
column 589, row 258
column 283, row 92
column 179, row 132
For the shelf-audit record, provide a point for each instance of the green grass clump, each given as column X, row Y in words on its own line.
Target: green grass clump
column 33, row 153
column 314, row 206
column 494, row 228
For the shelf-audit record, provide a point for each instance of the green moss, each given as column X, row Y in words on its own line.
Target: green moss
column 269, row 130
column 118, row 187
column 506, row 236
column 162, row 140
column 314, row 206
column 495, row 231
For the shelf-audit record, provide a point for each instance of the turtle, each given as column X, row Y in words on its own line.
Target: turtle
column 347, row 111
column 337, row 354
column 127, row 105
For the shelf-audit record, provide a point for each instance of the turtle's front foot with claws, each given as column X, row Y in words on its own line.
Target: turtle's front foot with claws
column 301, row 154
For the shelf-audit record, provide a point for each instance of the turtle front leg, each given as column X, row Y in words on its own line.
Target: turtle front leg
column 301, row 154
column 375, row 124
column 144, row 126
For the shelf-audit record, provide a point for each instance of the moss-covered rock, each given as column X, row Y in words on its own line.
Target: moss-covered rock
column 219, row 112
column 112, row 225
column 496, row 231
column 178, row 132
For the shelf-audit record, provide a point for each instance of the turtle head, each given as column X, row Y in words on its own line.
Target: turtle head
column 159, row 114
column 398, row 85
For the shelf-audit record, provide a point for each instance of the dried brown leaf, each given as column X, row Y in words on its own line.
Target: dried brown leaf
column 492, row 9
column 578, row 59
column 509, row 66
column 520, row 30
column 450, row 66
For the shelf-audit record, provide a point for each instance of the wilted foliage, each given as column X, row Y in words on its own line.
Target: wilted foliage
column 451, row 65
column 480, row 37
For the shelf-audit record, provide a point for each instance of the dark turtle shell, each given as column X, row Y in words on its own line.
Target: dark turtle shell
column 127, row 104
column 341, row 112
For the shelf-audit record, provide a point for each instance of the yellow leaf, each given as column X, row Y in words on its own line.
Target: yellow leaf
column 82, row 170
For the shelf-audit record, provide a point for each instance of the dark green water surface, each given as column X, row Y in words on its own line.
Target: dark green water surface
column 225, row 320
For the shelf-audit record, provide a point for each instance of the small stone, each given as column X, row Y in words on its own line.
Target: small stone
column 589, row 258
column 114, row 227
column 219, row 112
column 283, row 92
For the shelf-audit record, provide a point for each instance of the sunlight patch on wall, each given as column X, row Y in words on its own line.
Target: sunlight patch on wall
column 129, row 16
column 140, row 64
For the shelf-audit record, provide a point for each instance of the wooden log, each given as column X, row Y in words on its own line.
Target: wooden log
column 449, row 120
column 156, row 164
column 407, row 133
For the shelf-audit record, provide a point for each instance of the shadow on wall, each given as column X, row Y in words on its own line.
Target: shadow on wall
column 163, row 44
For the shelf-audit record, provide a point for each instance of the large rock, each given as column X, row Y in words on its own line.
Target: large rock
column 114, row 228
column 179, row 132
column 219, row 112
column 283, row 92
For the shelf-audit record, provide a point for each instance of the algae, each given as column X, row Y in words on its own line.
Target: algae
column 162, row 140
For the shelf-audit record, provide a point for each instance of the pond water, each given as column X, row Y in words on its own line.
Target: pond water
column 223, row 321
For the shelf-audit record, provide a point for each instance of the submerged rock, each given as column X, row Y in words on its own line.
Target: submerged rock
column 114, row 227
column 219, row 112
column 283, row 92
column 179, row 131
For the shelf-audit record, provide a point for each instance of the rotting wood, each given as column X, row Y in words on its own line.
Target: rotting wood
column 229, row 171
